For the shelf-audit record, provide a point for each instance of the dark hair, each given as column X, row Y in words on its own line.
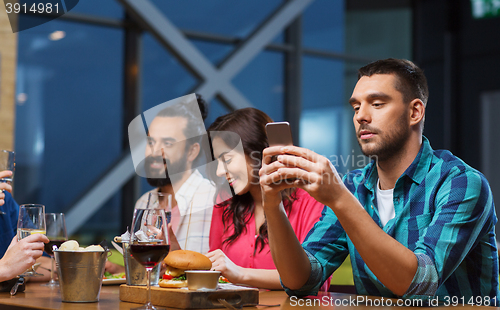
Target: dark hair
column 250, row 125
column 195, row 129
column 203, row 105
column 410, row 82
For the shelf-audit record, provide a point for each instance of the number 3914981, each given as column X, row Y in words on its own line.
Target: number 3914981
column 35, row 8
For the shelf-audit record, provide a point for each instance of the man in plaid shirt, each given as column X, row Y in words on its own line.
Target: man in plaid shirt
column 416, row 222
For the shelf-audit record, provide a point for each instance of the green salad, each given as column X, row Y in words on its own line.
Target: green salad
column 109, row 275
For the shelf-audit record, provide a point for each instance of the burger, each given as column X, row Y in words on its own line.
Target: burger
column 179, row 261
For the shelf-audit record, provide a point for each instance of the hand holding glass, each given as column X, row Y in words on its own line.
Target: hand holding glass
column 31, row 221
column 56, row 232
column 149, row 242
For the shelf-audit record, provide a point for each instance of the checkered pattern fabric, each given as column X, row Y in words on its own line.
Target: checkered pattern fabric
column 444, row 213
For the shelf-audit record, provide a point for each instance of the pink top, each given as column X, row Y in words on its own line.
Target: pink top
column 305, row 212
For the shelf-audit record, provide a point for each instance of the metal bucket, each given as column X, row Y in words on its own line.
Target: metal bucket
column 135, row 272
column 80, row 274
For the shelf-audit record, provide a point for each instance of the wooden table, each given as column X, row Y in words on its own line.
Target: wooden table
column 39, row 297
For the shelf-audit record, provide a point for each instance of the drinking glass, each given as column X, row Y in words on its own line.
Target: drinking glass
column 31, row 221
column 7, row 162
column 149, row 240
column 56, row 232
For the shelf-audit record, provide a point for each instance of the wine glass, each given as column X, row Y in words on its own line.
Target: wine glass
column 149, row 241
column 56, row 232
column 31, row 221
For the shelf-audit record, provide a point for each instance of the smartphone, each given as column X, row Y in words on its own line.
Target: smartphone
column 279, row 134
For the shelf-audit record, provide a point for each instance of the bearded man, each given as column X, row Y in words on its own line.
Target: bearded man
column 173, row 145
column 417, row 223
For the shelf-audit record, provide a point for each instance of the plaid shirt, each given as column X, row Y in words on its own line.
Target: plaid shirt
column 195, row 200
column 444, row 213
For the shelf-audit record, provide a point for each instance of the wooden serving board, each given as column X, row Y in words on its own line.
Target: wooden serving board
column 183, row 298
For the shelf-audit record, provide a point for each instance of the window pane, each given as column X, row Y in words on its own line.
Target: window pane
column 214, row 52
column 68, row 122
column 378, row 34
column 99, row 7
column 227, row 17
column 216, row 109
column 163, row 77
column 323, row 23
column 325, row 125
column 261, row 82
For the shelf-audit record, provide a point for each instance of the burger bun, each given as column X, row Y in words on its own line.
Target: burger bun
column 188, row 260
column 172, row 283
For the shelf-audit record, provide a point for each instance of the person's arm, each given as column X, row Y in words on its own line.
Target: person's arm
column 393, row 264
column 261, row 278
column 283, row 242
column 21, row 255
column 113, row 267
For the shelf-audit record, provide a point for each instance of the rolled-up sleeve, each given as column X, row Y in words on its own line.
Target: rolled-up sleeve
column 425, row 281
column 311, row 287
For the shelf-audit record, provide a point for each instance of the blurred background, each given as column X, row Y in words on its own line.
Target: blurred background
column 71, row 86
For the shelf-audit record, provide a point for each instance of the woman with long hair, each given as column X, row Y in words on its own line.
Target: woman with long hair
column 238, row 236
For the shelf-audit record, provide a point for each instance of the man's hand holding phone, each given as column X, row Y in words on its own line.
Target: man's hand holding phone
column 279, row 134
column 312, row 172
column 296, row 167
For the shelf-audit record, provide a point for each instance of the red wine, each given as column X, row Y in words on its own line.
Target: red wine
column 149, row 255
column 48, row 246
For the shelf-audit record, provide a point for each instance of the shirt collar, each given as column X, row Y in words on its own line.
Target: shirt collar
column 420, row 165
column 416, row 171
column 184, row 195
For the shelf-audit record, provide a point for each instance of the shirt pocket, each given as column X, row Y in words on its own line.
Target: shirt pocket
column 420, row 222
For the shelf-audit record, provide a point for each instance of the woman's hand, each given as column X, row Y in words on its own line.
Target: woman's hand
column 220, row 262
column 4, row 186
column 21, row 255
column 113, row 268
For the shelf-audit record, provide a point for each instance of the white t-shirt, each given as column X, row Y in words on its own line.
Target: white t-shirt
column 385, row 204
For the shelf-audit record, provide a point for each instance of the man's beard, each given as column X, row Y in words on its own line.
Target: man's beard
column 171, row 174
column 392, row 143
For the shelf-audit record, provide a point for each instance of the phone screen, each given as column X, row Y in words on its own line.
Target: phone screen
column 279, row 133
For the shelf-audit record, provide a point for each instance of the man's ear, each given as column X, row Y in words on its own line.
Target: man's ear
column 193, row 152
column 417, row 112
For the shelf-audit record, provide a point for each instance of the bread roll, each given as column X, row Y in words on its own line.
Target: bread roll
column 94, row 248
column 70, row 245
